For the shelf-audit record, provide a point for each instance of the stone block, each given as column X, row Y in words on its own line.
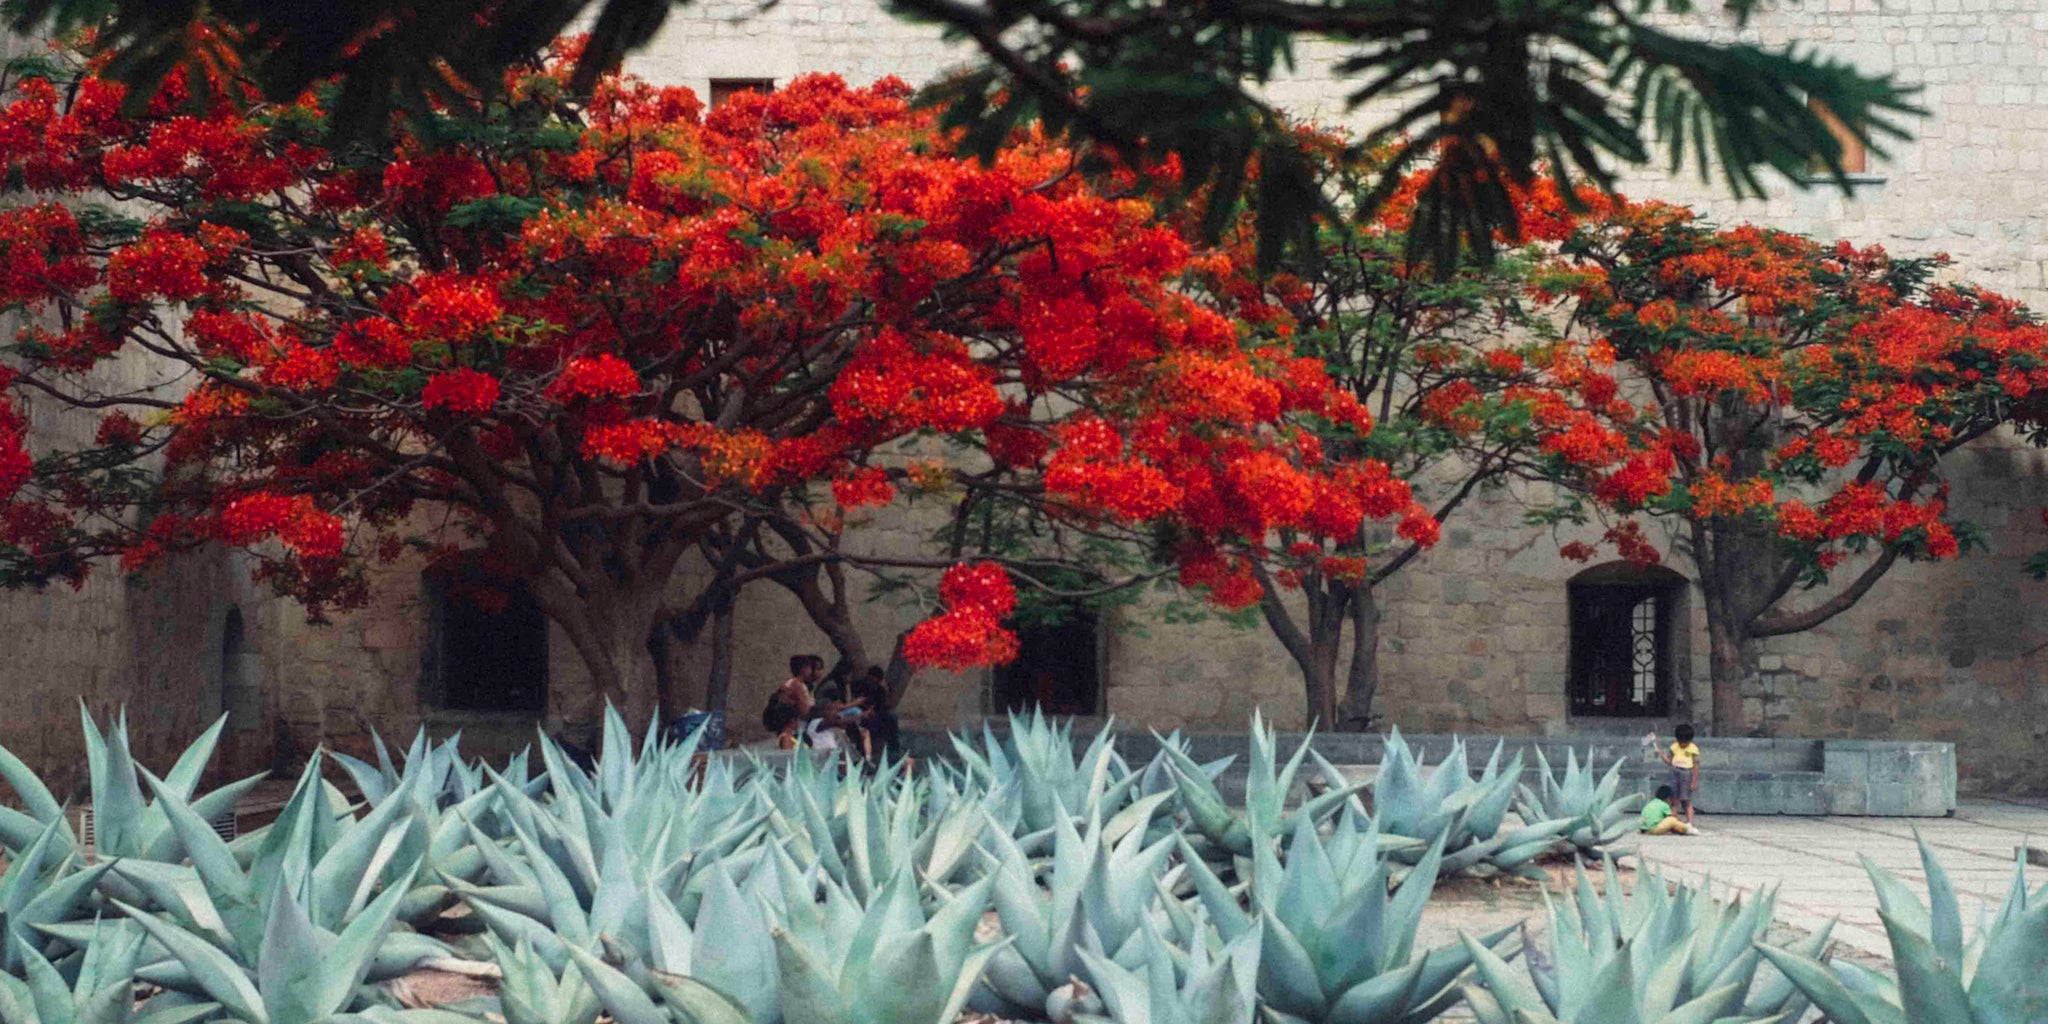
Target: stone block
column 1846, row 761
column 1890, row 799
column 1801, row 796
column 1753, row 794
column 1848, row 798
column 1892, row 765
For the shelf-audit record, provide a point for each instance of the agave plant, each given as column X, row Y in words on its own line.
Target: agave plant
column 458, row 806
column 1664, row 953
column 1172, row 987
column 124, row 824
column 1267, row 786
column 531, row 992
column 42, row 889
column 1447, row 808
column 836, row 963
column 862, row 828
column 289, row 938
column 1994, row 977
column 1100, row 890
column 1598, row 817
column 1038, row 770
column 300, row 972
column 1336, row 947
column 99, row 988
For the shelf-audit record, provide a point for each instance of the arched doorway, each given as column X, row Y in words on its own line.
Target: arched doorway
column 241, row 676
column 1627, row 642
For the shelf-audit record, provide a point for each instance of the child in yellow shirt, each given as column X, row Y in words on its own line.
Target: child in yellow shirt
column 1684, row 759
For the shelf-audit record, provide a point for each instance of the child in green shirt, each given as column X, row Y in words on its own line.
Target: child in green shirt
column 1657, row 817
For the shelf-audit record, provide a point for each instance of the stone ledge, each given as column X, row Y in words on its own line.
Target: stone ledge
column 1791, row 776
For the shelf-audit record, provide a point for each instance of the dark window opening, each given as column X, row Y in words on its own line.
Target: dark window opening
column 241, row 674
column 723, row 89
column 1624, row 661
column 1058, row 666
column 487, row 648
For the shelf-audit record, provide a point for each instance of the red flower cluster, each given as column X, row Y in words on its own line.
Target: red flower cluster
column 292, row 519
column 969, row 632
column 461, row 390
column 867, row 487
column 592, row 378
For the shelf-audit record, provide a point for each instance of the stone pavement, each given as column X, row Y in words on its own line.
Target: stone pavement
column 1816, row 865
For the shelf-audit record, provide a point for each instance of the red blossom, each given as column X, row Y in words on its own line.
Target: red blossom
column 594, row 377
column 461, row 390
column 867, row 487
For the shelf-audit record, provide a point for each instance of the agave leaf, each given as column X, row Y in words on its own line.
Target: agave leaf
column 1826, row 991
column 2010, row 986
column 29, row 789
column 174, row 1014
column 621, row 998
column 700, row 1003
column 209, row 854
column 211, row 969
column 1930, row 987
column 1945, row 919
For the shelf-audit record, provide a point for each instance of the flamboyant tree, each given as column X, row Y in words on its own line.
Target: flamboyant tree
column 1788, row 404
column 593, row 333
column 1450, row 366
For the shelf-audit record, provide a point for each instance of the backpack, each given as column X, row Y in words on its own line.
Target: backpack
column 778, row 714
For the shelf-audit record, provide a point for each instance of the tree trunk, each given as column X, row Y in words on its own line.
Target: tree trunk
column 1322, row 691
column 1728, row 656
column 899, row 673
column 668, row 682
column 610, row 633
column 1363, row 680
column 718, row 682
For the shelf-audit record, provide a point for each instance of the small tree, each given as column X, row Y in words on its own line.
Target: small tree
column 595, row 333
column 1451, row 368
column 1789, row 405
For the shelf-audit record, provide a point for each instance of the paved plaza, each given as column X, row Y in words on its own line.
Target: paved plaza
column 1816, row 863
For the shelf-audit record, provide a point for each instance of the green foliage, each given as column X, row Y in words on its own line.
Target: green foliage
column 1335, row 947
column 1662, row 953
column 1488, row 95
column 1447, row 808
column 1169, row 988
column 1267, row 787
column 1598, row 816
column 1994, row 977
column 653, row 888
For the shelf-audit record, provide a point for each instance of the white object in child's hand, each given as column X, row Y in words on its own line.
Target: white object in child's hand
column 1649, row 746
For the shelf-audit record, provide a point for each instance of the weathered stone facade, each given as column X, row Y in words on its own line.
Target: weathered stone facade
column 1475, row 635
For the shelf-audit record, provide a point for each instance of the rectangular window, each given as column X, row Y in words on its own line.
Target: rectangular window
column 723, row 89
column 1621, row 660
column 1058, row 666
column 487, row 645
column 1855, row 159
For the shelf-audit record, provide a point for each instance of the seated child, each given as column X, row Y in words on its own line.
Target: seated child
column 1658, row 819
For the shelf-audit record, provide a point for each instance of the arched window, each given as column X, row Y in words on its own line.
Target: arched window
column 1625, row 633
column 487, row 644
